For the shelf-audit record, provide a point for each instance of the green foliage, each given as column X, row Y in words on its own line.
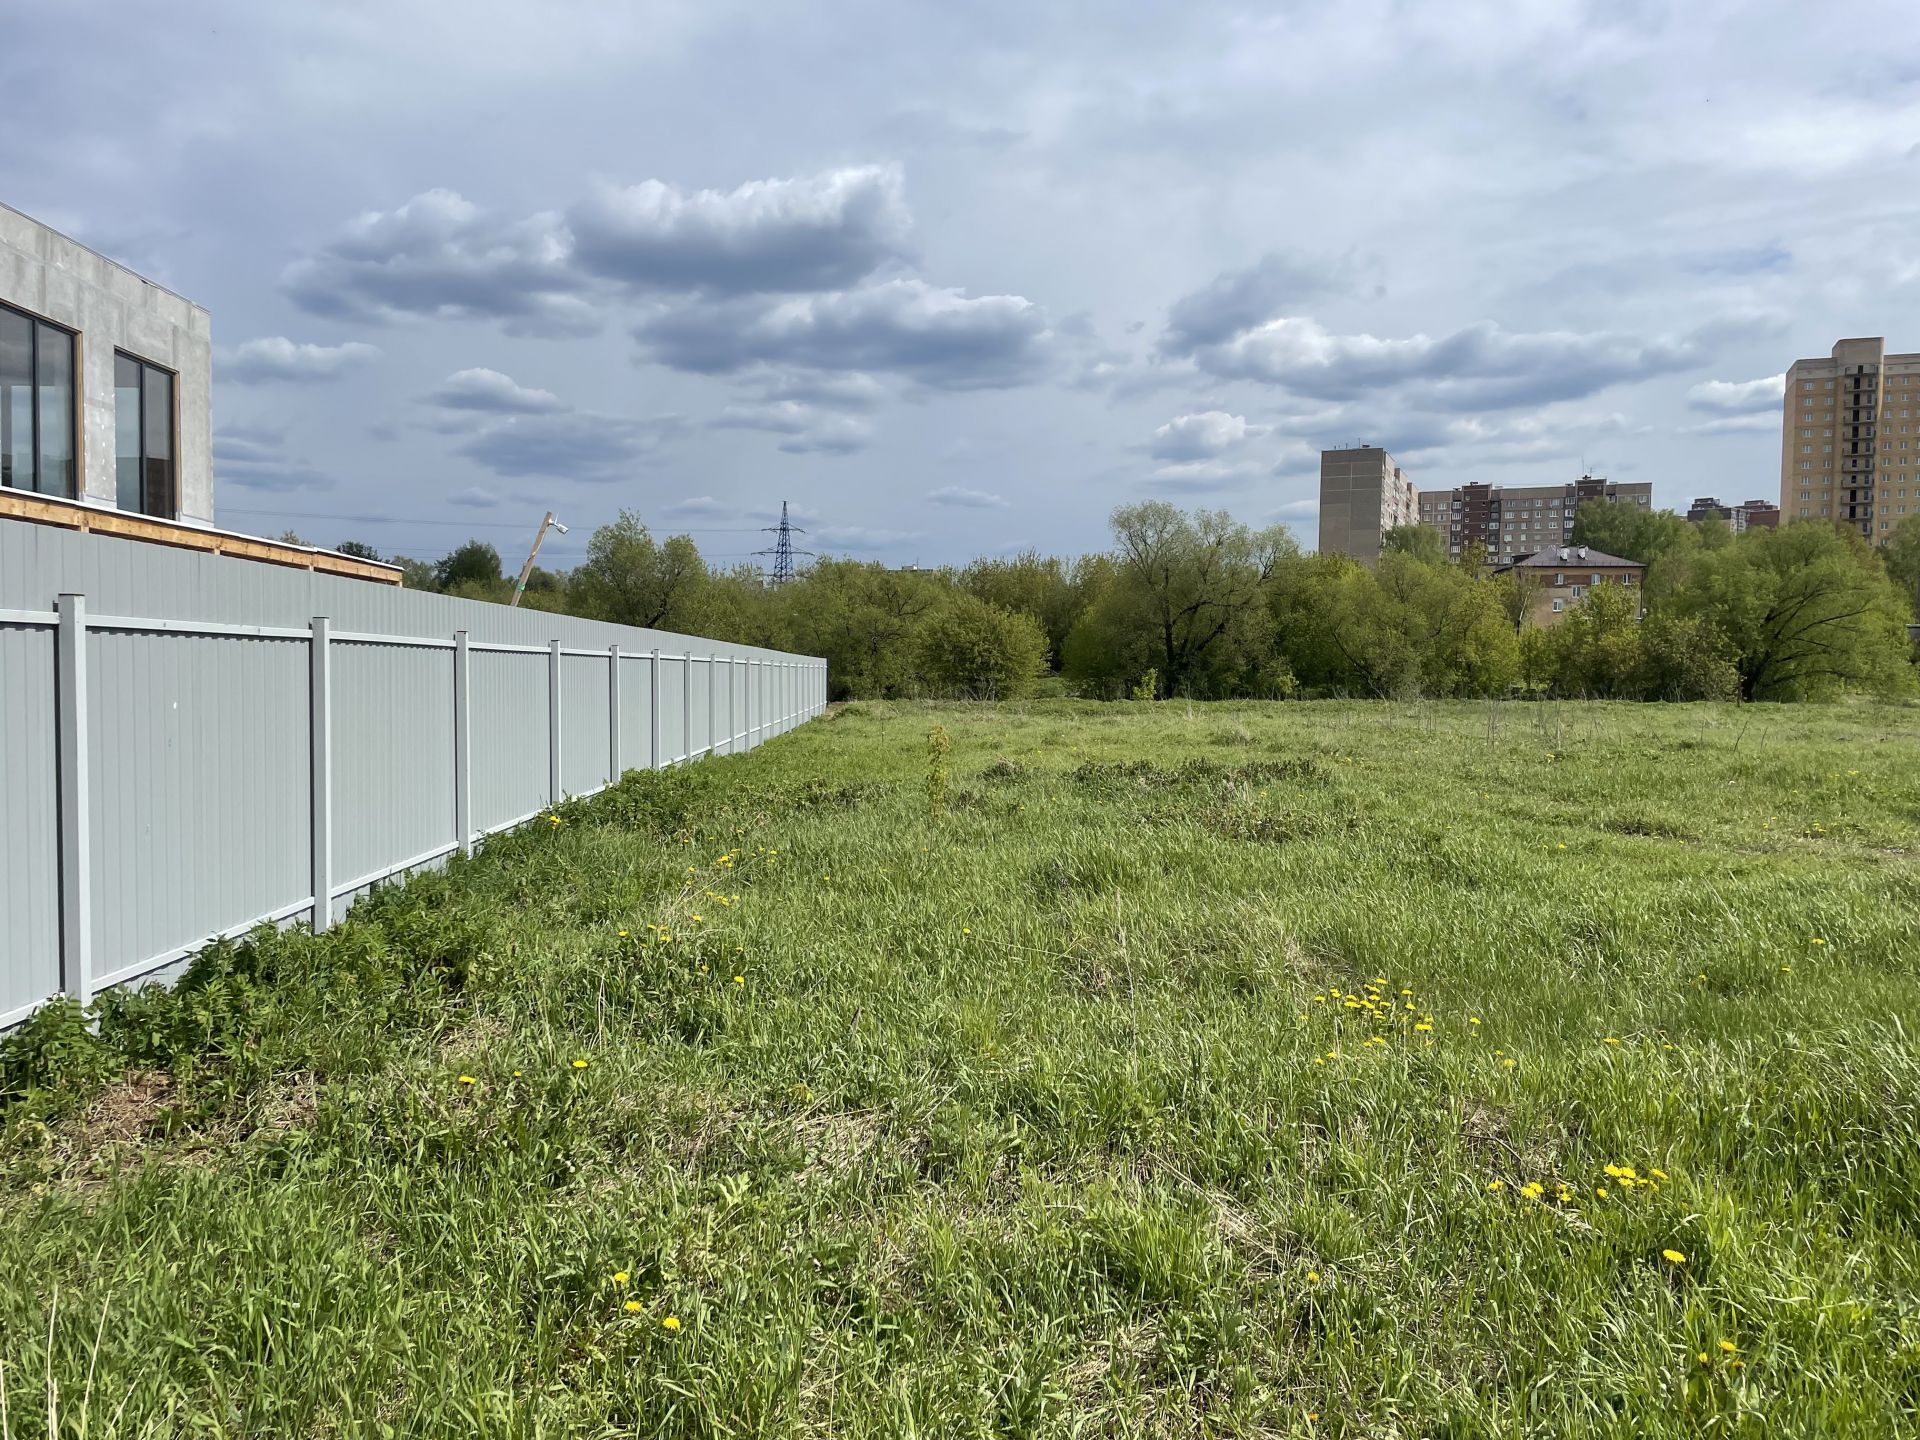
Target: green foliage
column 631, row 579
column 1148, row 686
column 1901, row 555
column 972, row 650
column 474, row 563
column 55, row 1053
column 1633, row 532
column 1416, row 542
column 1809, row 612
column 359, row 549
column 1095, row 1108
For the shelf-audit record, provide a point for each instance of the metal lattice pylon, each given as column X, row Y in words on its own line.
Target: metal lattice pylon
column 782, row 549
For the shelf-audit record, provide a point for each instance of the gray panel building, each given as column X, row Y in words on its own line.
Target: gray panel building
column 1363, row 494
column 105, row 380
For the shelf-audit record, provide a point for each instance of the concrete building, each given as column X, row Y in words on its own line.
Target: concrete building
column 1747, row 515
column 1363, row 494
column 1513, row 521
column 1849, row 447
column 1563, row 574
column 105, row 380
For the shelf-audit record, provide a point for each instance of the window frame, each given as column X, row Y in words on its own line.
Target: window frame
column 76, row 458
column 172, row 512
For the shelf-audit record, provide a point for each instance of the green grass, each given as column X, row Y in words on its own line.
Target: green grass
column 1030, row 1118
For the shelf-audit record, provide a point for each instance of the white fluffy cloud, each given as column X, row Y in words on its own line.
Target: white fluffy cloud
column 274, row 357
column 1194, row 437
column 807, row 429
column 1735, row 397
column 493, row 393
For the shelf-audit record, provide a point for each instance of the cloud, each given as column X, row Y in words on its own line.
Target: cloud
column 255, row 457
column 475, row 498
column 860, row 537
column 1482, row 367
column 441, row 256
column 1512, row 440
column 701, row 507
column 937, row 337
column 808, row 429
column 960, row 496
column 491, row 392
column 571, row 445
column 1195, row 437
column 1203, row 477
column 819, row 232
column 1239, row 300
column 1758, row 422
column 849, row 391
column 275, row 357
column 1738, row 397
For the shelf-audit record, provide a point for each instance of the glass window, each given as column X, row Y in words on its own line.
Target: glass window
column 36, row 406
column 143, row 436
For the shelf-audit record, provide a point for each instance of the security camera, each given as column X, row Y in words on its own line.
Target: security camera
column 558, row 526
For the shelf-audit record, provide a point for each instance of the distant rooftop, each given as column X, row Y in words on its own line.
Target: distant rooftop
column 1562, row 557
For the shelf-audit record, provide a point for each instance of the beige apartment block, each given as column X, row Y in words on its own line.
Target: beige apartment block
column 1561, row 576
column 1850, row 439
column 1363, row 494
column 1515, row 521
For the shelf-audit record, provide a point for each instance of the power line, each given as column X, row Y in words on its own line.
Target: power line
column 457, row 524
column 782, row 549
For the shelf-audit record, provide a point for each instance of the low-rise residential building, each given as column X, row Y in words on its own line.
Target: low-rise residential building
column 1513, row 521
column 1561, row 575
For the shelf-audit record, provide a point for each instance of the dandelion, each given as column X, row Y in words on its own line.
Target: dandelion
column 468, row 1080
column 1673, row 1257
column 1496, row 1185
column 580, row 1064
column 1509, row 1062
column 620, row 1277
column 1729, row 1347
column 670, row 1322
column 1659, row 1174
column 739, row 979
column 966, row 930
column 1422, row 1026
column 1313, row 1277
column 1703, row 1358
column 633, row 1307
column 1473, row 1019
column 1601, row 1191
column 623, row 934
column 1533, row 1189
column 1610, row 1040
column 1818, row 941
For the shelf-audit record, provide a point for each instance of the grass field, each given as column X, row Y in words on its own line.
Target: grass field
column 1330, row 1069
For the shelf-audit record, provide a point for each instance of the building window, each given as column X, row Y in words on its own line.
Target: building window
column 143, row 436
column 1559, row 579
column 1558, row 606
column 36, row 406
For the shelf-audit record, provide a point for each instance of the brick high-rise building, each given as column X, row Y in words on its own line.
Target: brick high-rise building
column 1363, row 494
column 1515, row 521
column 1848, row 448
column 1747, row 515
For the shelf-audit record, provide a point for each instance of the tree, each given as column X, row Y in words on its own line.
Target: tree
column 359, row 549
column 1808, row 610
column 417, row 574
column 1685, row 657
column 631, row 579
column 1417, row 542
column 1631, row 532
column 1042, row 586
column 1193, row 584
column 1595, row 651
column 864, row 618
column 1901, row 555
column 969, row 648
column 474, row 563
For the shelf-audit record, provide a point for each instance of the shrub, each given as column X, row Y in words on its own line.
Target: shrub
column 972, row 649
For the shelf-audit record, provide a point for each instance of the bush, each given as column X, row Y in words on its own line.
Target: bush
column 971, row 649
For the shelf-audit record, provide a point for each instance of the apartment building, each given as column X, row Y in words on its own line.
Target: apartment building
column 1561, row 576
column 1363, row 494
column 1747, row 515
column 1514, row 521
column 1849, row 441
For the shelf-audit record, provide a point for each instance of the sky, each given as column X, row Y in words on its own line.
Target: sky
column 957, row 280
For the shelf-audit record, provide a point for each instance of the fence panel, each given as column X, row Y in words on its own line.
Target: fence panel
column 584, row 713
column 30, row 821
column 198, row 750
column 673, row 709
column 391, row 729
column 508, row 713
column 636, row 711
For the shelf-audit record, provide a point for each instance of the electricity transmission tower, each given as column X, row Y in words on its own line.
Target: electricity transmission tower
column 782, row 549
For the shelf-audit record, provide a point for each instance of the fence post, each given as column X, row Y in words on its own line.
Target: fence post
column 76, row 880
column 713, row 670
column 686, row 707
column 320, row 770
column 462, row 746
column 653, row 703
column 553, row 720
column 613, row 714
column 753, row 710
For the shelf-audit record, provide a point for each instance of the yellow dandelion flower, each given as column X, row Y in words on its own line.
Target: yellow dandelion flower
column 966, row 930
column 1509, row 1062
column 620, row 1277
column 1703, row 1358
column 1729, row 1347
column 1601, row 1191
column 670, row 1322
column 1313, row 1277
column 1496, row 1185
column 1659, row 1174
column 1675, row 1257
column 623, row 934
column 1423, row 1025
column 1610, row 1040
column 1473, row 1019
column 739, row 979
column 633, row 1307
column 579, row 1064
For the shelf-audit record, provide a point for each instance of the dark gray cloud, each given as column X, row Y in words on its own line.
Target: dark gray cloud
column 819, row 232
column 275, row 357
column 1238, row 300
column 441, row 256
column 571, row 446
column 939, row 338
column 490, row 392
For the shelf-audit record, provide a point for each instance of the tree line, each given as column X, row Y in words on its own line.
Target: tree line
column 1197, row 604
